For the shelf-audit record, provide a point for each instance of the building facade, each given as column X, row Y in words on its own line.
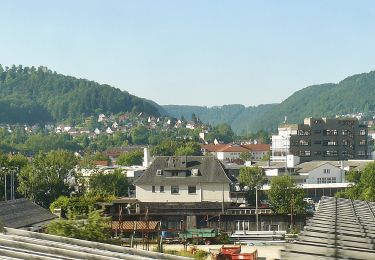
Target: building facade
column 184, row 179
column 232, row 152
column 322, row 139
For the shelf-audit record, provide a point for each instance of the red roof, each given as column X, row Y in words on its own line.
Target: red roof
column 224, row 148
column 101, row 163
column 236, row 148
column 258, row 147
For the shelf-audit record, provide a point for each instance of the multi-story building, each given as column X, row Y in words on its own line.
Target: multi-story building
column 321, row 139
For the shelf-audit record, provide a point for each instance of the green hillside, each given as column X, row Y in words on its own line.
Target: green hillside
column 238, row 116
column 353, row 94
column 30, row 95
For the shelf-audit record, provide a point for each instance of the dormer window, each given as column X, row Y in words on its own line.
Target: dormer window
column 159, row 172
column 194, row 172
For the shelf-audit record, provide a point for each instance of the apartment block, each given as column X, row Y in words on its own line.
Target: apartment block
column 321, row 139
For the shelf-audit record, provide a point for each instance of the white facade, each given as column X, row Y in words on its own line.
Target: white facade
column 281, row 143
column 227, row 155
column 211, row 192
column 326, row 173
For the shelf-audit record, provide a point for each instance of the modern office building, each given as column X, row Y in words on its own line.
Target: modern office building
column 321, row 139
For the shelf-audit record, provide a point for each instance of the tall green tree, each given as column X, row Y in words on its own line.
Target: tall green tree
column 285, row 196
column 222, row 132
column 114, row 183
column 130, row 158
column 139, row 135
column 189, row 148
column 254, row 178
column 48, row 177
column 363, row 187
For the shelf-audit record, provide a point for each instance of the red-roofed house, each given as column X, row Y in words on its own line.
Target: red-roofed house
column 230, row 152
column 258, row 151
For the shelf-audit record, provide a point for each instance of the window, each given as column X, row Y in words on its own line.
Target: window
column 303, row 132
column 362, row 132
column 345, row 132
column 318, row 142
column 330, row 132
column 361, row 153
column 326, row 171
column 345, row 142
column 317, row 122
column 317, row 131
column 194, row 172
column 161, row 188
column 330, row 153
column 304, row 142
column 175, row 189
column 174, row 174
column 362, row 142
column 326, row 180
column 304, row 153
column 242, row 225
column 159, row 172
column 271, row 227
column 192, row 189
column 153, row 189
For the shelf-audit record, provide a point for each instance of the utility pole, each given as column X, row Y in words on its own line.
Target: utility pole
column 256, row 206
column 5, row 186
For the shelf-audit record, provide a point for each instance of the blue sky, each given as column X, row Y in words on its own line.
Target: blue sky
column 203, row 52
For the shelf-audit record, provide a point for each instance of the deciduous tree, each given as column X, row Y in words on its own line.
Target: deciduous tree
column 285, row 196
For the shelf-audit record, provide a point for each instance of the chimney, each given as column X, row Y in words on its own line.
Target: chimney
column 146, row 157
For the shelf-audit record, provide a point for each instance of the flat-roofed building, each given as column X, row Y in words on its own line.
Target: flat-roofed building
column 322, row 139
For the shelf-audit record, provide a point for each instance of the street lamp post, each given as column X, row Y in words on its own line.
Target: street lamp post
column 256, row 206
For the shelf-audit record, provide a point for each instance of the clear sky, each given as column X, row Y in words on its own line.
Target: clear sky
column 196, row 52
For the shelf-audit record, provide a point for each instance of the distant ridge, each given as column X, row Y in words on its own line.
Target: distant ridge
column 353, row 94
column 37, row 95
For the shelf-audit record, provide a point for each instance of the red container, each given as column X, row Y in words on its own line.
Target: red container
column 244, row 256
column 230, row 250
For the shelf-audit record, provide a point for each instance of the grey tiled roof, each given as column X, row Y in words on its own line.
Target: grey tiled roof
column 340, row 229
column 309, row 166
column 209, row 168
column 23, row 213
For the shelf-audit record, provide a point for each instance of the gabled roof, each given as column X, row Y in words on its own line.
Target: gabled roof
column 309, row 166
column 258, row 147
column 210, row 171
column 22, row 213
column 236, row 147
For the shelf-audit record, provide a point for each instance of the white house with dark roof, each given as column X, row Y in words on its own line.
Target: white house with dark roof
column 320, row 172
column 184, row 179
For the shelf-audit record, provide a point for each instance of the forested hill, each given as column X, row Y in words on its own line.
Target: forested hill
column 30, row 95
column 239, row 117
column 353, row 94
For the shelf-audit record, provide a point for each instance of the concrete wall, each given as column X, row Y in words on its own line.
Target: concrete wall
column 215, row 191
